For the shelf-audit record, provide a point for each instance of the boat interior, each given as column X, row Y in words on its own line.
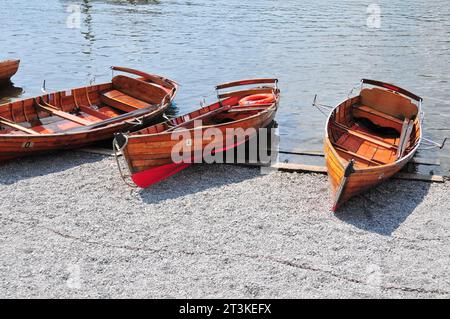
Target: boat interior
column 377, row 127
column 80, row 108
column 225, row 111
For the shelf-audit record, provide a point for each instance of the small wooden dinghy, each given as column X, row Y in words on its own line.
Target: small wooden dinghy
column 370, row 137
column 81, row 116
column 7, row 69
column 148, row 152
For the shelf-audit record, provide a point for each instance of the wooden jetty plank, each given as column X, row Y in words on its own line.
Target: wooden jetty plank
column 98, row 150
column 293, row 167
column 415, row 160
column 419, row 177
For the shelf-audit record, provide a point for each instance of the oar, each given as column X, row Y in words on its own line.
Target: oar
column 122, row 117
column 57, row 112
column 210, row 113
column 5, row 121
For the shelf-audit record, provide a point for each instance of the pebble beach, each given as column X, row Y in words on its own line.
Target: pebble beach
column 70, row 228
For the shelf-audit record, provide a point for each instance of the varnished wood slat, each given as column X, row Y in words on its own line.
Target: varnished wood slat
column 6, row 122
column 374, row 112
column 157, row 79
column 64, row 115
column 365, row 136
column 357, row 156
column 140, row 90
column 388, row 103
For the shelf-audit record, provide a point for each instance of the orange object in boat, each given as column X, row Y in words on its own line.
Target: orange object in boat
column 257, row 99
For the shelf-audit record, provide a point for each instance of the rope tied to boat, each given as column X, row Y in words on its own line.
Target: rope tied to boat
column 119, row 143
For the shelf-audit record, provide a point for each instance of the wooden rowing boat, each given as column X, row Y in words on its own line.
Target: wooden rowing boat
column 81, row 116
column 370, row 137
column 149, row 152
column 7, row 69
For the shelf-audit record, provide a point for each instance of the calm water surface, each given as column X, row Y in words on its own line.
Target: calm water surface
column 312, row 46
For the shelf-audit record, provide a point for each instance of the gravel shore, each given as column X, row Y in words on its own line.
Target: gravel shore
column 71, row 228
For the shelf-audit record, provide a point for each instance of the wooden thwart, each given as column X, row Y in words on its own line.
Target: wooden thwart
column 54, row 111
column 4, row 121
column 367, row 137
column 352, row 154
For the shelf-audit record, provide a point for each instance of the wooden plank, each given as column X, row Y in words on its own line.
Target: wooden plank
column 6, row 122
column 352, row 154
column 293, row 167
column 365, row 136
column 370, row 110
column 98, row 150
column 425, row 161
column 54, row 111
column 140, row 90
column 415, row 160
column 388, row 103
column 419, row 177
column 90, row 111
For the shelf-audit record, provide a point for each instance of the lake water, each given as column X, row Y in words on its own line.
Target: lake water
column 312, row 46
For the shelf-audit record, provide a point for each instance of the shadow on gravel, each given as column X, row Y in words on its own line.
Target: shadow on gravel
column 383, row 209
column 40, row 165
column 197, row 178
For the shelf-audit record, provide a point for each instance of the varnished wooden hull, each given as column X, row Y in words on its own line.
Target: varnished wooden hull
column 356, row 160
column 22, row 136
column 19, row 146
column 149, row 156
column 360, row 180
column 8, row 69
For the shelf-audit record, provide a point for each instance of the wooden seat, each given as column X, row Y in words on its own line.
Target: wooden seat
column 360, row 145
column 122, row 101
column 129, row 94
column 377, row 117
column 366, row 136
column 351, row 154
